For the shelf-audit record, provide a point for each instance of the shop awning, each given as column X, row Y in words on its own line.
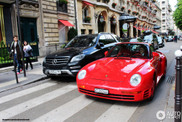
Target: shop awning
column 87, row 3
column 65, row 22
column 127, row 18
column 154, row 32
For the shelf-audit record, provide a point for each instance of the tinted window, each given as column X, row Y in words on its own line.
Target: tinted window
column 106, row 39
column 82, row 41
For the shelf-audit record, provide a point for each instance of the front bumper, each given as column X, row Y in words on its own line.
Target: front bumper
column 118, row 94
column 56, row 70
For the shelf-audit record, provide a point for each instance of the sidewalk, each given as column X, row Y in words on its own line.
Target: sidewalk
column 8, row 79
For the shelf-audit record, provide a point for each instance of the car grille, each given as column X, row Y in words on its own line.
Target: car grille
column 58, row 60
column 146, row 94
column 111, row 96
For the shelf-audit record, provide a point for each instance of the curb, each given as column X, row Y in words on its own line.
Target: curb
column 13, row 86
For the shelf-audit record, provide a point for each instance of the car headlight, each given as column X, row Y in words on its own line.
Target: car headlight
column 82, row 74
column 44, row 61
column 135, row 79
column 77, row 58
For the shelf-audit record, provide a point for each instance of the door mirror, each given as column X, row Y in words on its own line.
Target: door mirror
column 155, row 54
column 106, row 53
column 100, row 45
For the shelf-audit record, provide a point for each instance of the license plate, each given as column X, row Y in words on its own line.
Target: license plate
column 55, row 72
column 101, row 91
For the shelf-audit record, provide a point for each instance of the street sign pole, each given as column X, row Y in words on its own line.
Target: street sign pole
column 18, row 18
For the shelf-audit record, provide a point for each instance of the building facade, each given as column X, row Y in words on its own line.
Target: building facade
column 166, row 16
column 45, row 23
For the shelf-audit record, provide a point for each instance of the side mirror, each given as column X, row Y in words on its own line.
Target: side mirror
column 106, row 53
column 99, row 45
column 155, row 54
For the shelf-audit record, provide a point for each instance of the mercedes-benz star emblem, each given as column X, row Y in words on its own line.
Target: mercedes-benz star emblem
column 54, row 61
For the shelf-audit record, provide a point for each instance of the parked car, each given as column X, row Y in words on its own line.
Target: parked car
column 160, row 41
column 151, row 39
column 129, row 72
column 170, row 38
column 77, row 53
column 138, row 39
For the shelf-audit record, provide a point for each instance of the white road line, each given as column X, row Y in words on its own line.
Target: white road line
column 25, row 92
column 65, row 111
column 20, row 108
column 122, row 113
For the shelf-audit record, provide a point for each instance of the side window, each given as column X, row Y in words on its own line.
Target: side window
column 106, row 39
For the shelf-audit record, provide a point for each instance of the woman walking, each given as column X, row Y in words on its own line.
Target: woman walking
column 27, row 54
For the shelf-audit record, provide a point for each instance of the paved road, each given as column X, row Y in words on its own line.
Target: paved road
column 58, row 100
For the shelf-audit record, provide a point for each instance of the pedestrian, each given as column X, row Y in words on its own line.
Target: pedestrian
column 175, row 38
column 16, row 51
column 27, row 54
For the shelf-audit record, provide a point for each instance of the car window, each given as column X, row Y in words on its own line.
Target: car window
column 106, row 39
column 82, row 41
column 129, row 50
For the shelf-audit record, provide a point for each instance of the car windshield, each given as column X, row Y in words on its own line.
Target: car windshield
column 82, row 41
column 134, row 40
column 129, row 50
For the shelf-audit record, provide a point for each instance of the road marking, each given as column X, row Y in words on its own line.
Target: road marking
column 65, row 111
column 17, row 109
column 122, row 113
column 25, row 92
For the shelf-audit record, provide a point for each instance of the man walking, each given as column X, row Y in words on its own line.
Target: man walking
column 175, row 38
column 17, row 51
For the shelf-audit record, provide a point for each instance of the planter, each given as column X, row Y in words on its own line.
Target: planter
column 87, row 19
column 114, row 5
column 63, row 1
column 122, row 8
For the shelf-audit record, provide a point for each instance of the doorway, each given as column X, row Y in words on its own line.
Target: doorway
column 29, row 33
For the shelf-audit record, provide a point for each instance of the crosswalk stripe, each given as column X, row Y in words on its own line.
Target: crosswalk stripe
column 122, row 113
column 8, row 113
column 65, row 111
column 25, row 92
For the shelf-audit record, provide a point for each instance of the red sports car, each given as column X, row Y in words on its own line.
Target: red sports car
column 129, row 72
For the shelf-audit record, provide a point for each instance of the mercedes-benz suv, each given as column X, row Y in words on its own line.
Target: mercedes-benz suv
column 80, row 51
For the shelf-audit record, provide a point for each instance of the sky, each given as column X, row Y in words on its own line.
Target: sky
column 173, row 3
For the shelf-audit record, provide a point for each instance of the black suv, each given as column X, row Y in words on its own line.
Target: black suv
column 80, row 51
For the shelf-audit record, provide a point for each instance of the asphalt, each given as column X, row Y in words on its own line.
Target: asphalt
column 8, row 79
column 8, row 82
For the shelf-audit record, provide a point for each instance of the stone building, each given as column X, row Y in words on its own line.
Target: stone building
column 166, row 15
column 43, row 22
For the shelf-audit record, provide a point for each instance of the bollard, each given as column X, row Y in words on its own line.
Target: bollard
column 177, row 98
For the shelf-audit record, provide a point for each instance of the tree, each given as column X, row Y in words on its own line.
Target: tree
column 72, row 33
column 178, row 15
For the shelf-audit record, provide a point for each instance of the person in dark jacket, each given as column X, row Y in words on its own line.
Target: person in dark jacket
column 175, row 38
column 16, row 50
column 27, row 54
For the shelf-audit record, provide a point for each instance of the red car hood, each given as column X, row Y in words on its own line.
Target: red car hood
column 115, row 69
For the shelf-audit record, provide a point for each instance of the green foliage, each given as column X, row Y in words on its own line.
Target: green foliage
column 4, row 51
column 72, row 33
column 63, row 1
column 178, row 15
